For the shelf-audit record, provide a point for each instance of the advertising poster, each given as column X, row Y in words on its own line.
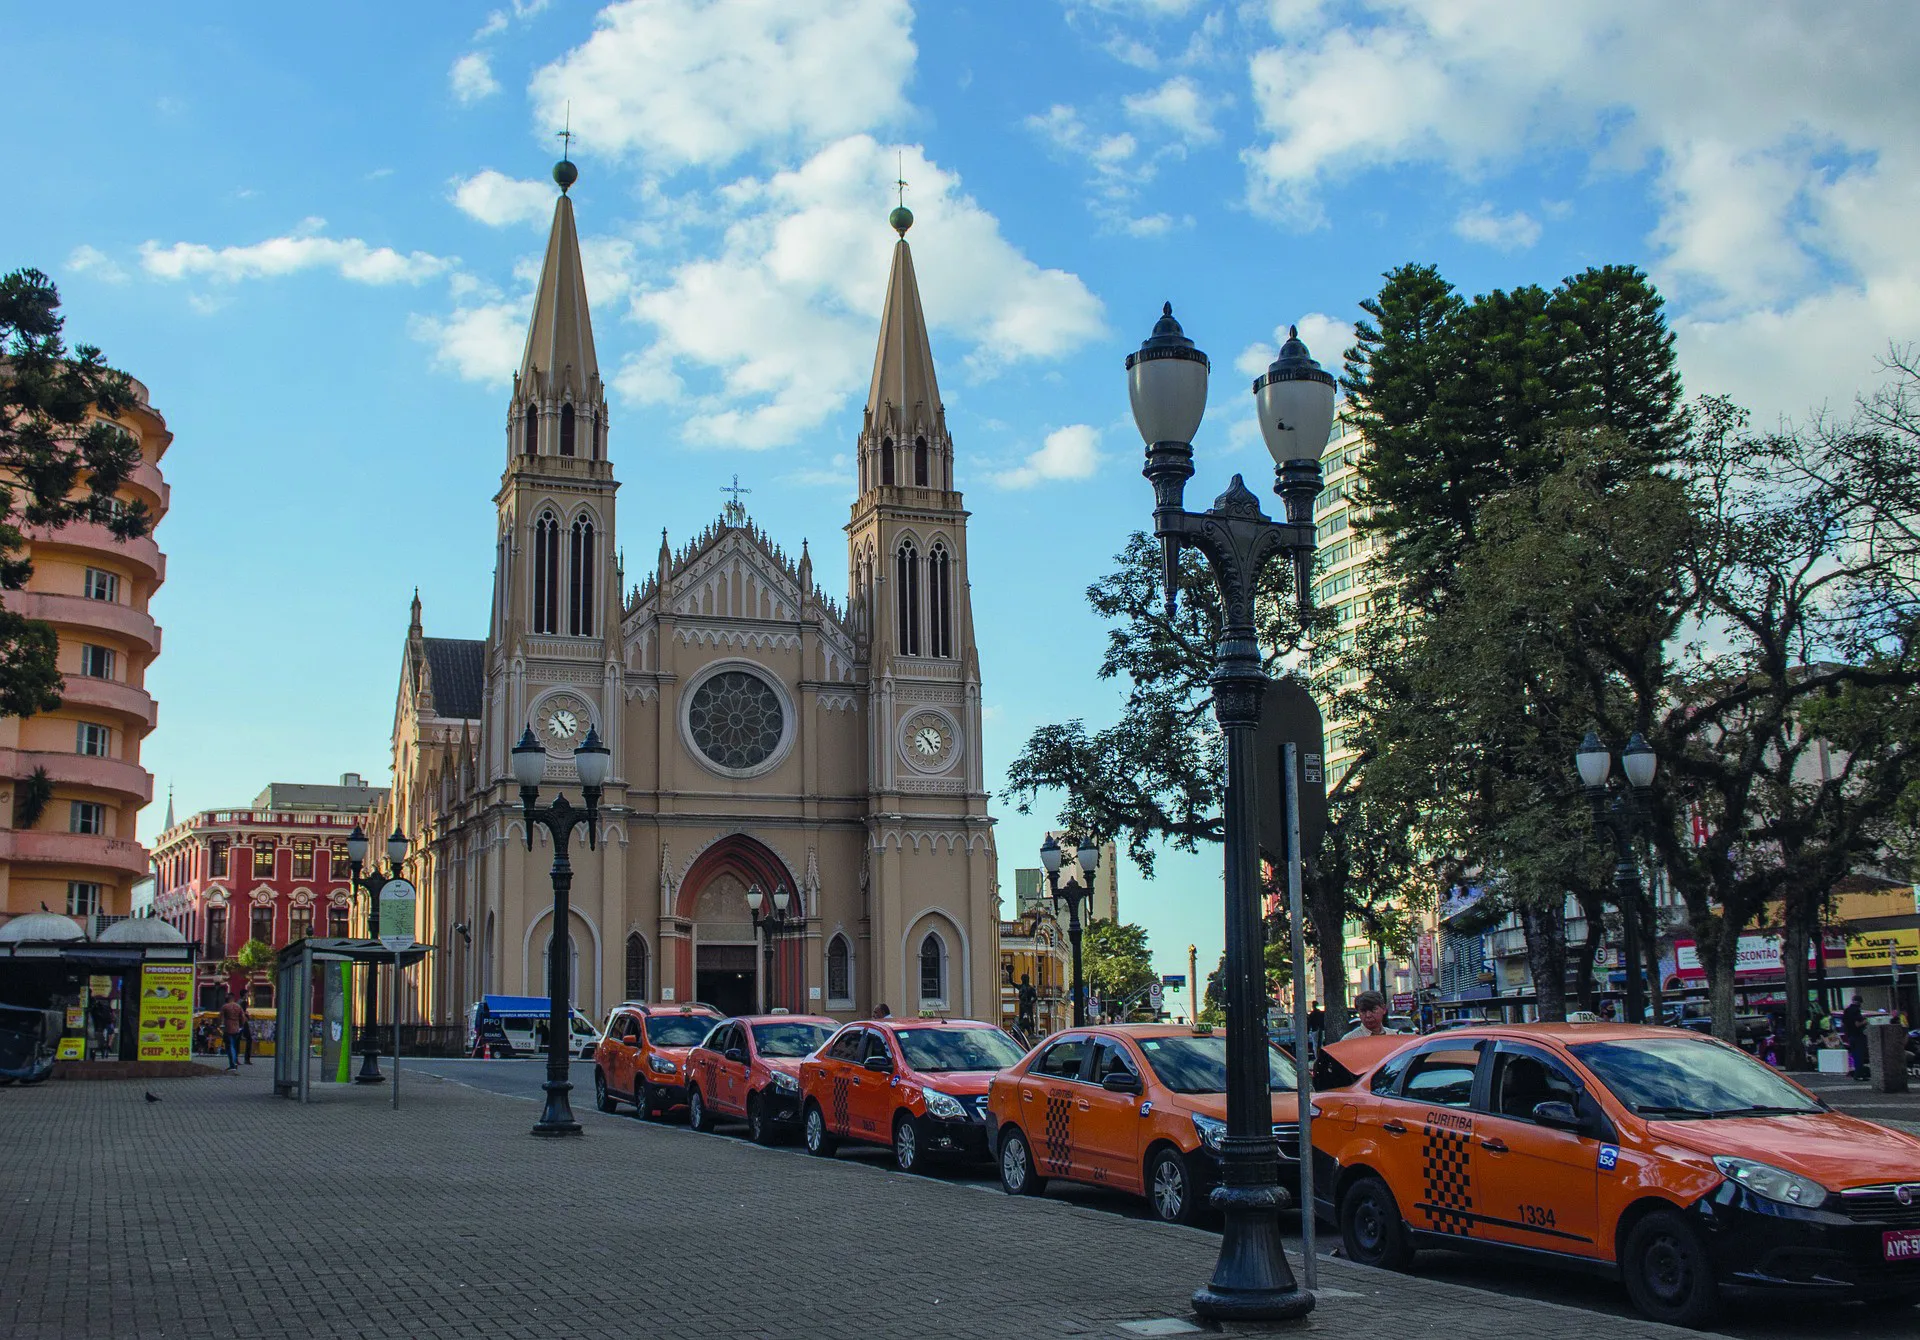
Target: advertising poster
column 166, row 1011
column 335, row 1048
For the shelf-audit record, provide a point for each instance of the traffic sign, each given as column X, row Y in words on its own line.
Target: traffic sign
column 1154, row 996
column 1174, row 982
column 397, row 902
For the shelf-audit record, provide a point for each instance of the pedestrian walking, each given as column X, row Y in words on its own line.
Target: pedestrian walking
column 1316, row 1024
column 1853, row 1031
column 233, row 1020
column 1371, row 1006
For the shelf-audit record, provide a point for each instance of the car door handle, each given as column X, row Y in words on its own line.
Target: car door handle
column 1393, row 1128
column 1085, row 1106
column 1494, row 1146
column 1025, row 1097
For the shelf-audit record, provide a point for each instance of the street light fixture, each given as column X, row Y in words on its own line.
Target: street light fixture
column 559, row 818
column 774, row 923
column 371, row 885
column 1073, row 895
column 1620, row 812
column 1167, row 384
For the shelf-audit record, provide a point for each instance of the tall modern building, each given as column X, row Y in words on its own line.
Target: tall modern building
column 71, row 778
column 1343, row 581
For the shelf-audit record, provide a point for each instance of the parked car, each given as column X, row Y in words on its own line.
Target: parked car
column 642, row 1057
column 1141, row 1108
column 748, row 1069
column 523, row 1022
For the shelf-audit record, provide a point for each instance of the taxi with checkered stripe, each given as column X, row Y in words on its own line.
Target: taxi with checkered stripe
column 1681, row 1166
column 1141, row 1108
column 916, row 1085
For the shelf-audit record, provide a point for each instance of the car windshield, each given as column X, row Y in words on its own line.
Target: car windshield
column 941, row 1049
column 787, row 1040
column 1684, row 1077
column 678, row 1030
column 1199, row 1064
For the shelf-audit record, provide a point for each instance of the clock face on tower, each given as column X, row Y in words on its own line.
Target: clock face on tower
column 561, row 722
column 929, row 741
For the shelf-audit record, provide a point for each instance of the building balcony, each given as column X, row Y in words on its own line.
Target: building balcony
column 32, row 847
column 79, row 612
column 110, row 695
column 83, row 770
column 146, row 477
column 94, row 538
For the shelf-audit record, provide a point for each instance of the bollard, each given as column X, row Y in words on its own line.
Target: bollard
column 1887, row 1054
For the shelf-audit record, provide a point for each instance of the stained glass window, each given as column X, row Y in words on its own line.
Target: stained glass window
column 735, row 719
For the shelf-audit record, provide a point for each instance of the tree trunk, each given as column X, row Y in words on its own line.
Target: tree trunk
column 1583, row 978
column 1546, row 932
column 1793, row 957
column 1330, row 942
column 1650, row 967
column 1720, row 957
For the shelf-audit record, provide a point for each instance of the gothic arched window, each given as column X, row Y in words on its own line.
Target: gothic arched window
column 532, row 429
column 839, row 969
column 907, row 579
column 933, row 968
column 566, row 429
column 940, row 599
column 886, row 460
column 580, row 578
column 636, row 967
column 546, row 574
column 920, row 461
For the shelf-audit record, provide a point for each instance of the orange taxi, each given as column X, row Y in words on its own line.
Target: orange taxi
column 918, row 1085
column 1673, row 1162
column 642, row 1055
column 748, row 1069
column 1141, row 1108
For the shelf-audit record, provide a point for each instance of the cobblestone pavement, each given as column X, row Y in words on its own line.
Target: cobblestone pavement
column 1900, row 1110
column 223, row 1211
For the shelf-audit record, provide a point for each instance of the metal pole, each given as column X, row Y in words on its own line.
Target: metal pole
column 396, row 1030
column 557, row 1116
column 1079, row 983
column 1193, row 984
column 1303, row 1084
column 1626, row 878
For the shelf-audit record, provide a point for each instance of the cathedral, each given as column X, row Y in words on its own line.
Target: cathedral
column 772, row 745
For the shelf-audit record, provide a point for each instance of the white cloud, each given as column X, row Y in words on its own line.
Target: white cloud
column 497, row 200
column 86, row 259
column 1327, row 339
column 472, row 78
column 1179, row 105
column 1509, row 232
column 482, row 343
column 1115, row 168
column 779, row 324
column 702, row 82
column 1779, row 162
column 499, row 20
column 1072, row 452
column 303, row 249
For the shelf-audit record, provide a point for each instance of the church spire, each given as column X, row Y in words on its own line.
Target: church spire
column 560, row 353
column 904, row 395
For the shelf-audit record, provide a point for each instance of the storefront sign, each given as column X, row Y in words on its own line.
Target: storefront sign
column 1428, row 958
column 397, row 902
column 1874, row 949
column 71, row 1049
column 166, row 1011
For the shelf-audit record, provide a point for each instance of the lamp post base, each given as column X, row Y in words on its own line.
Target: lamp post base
column 1251, row 1281
column 557, row 1118
column 370, row 1070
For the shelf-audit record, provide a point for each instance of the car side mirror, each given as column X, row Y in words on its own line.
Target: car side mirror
column 880, row 1065
column 737, row 1056
column 1560, row 1116
column 1121, row 1082
column 631, row 1039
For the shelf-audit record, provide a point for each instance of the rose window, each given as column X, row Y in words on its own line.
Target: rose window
column 735, row 719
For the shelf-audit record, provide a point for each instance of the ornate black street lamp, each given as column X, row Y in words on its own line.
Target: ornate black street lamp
column 1620, row 811
column 1073, row 895
column 771, row 925
column 371, row 885
column 1167, row 384
column 559, row 818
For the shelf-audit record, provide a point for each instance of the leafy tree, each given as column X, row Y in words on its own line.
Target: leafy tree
column 1115, row 959
column 62, row 460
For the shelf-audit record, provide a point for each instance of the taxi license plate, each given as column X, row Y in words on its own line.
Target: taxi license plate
column 1900, row 1244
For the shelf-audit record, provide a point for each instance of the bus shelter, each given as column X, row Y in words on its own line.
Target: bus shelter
column 295, row 971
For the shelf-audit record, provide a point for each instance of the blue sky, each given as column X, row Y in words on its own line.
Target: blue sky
column 312, row 233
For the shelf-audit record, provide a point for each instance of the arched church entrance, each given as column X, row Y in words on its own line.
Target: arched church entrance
column 724, row 959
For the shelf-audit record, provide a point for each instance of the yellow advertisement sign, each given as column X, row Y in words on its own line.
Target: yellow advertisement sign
column 166, row 1011
column 71, row 1049
column 1874, row 949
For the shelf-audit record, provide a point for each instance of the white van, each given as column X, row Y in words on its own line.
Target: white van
column 524, row 1020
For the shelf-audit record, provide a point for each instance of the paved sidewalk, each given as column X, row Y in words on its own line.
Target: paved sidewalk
column 223, row 1211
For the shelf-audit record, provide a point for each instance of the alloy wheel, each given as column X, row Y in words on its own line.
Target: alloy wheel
column 1169, row 1190
column 906, row 1146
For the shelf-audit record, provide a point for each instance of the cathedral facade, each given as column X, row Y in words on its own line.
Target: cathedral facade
column 765, row 735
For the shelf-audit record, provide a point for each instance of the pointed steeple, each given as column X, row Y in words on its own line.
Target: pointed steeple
column 169, row 823
column 560, row 351
column 904, row 393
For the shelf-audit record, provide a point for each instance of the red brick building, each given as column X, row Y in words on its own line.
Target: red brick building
column 275, row 873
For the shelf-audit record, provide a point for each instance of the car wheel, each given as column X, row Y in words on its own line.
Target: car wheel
column 1668, row 1274
column 906, row 1145
column 757, row 1129
column 1170, row 1188
column 1017, row 1177
column 601, row 1098
column 818, row 1141
column 1370, row 1227
column 698, row 1116
column 647, row 1107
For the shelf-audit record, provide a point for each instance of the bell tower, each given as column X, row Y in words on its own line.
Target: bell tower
column 555, row 614
column 909, row 594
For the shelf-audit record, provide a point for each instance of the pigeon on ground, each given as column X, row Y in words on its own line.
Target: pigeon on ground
column 152, row 1097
